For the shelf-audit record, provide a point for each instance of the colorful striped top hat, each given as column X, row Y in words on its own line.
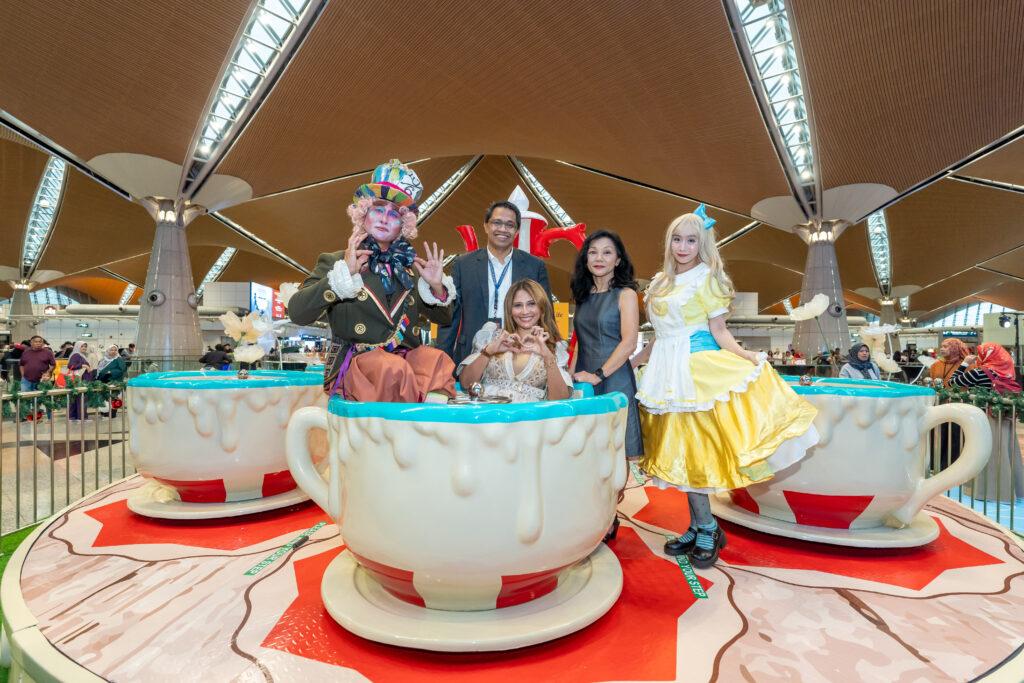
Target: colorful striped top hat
column 394, row 182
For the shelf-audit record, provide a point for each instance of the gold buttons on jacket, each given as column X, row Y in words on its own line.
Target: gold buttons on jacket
column 330, row 296
column 411, row 302
column 360, row 328
column 416, row 330
column 362, row 296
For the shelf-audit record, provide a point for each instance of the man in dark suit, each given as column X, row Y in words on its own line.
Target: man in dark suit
column 482, row 279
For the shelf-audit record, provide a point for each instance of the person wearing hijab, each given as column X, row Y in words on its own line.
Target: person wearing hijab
column 994, row 370
column 79, row 366
column 952, row 352
column 858, row 364
column 111, row 368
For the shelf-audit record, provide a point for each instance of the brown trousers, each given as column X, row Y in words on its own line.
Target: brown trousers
column 385, row 377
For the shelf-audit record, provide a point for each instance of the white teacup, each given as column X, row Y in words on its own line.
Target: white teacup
column 868, row 469
column 215, row 438
column 467, row 507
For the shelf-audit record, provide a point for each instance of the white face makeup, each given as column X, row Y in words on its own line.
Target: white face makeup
column 383, row 222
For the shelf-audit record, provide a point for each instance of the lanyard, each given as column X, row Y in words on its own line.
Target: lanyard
column 497, row 283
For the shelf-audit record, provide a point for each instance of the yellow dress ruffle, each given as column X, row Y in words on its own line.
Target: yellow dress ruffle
column 742, row 415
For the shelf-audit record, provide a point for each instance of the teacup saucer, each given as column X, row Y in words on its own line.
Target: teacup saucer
column 148, row 501
column 356, row 601
column 922, row 530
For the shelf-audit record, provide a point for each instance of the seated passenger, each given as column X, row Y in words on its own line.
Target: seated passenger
column 526, row 361
column 859, row 364
column 372, row 304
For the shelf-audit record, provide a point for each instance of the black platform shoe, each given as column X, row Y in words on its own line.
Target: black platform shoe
column 610, row 536
column 703, row 559
column 677, row 546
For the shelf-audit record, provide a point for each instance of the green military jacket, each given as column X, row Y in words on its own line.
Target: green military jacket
column 366, row 318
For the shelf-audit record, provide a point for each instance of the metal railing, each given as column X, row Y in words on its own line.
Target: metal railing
column 998, row 490
column 49, row 459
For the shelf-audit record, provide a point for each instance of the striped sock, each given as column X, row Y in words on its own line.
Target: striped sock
column 705, row 539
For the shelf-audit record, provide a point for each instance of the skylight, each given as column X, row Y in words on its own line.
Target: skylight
column 271, row 32
column 766, row 28
column 44, row 210
column 441, row 193
column 217, row 268
column 127, row 295
column 51, row 297
column 552, row 206
column 878, row 239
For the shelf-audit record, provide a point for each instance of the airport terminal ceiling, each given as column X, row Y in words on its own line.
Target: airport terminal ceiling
column 626, row 118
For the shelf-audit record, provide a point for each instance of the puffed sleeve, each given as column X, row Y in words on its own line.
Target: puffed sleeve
column 484, row 336
column 713, row 299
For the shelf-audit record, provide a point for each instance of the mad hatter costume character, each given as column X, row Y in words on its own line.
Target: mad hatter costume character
column 372, row 303
column 714, row 416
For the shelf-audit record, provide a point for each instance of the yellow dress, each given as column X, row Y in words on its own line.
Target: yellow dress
column 712, row 421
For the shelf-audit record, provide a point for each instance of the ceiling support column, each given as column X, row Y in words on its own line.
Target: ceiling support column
column 168, row 315
column 821, row 276
column 22, row 321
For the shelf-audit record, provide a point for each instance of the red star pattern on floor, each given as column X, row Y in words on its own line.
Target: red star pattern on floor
column 912, row 568
column 635, row 640
column 122, row 527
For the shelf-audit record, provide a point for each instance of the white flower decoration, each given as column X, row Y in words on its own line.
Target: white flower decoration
column 247, row 329
column 926, row 361
column 248, row 353
column 812, row 309
column 885, row 363
column 875, row 330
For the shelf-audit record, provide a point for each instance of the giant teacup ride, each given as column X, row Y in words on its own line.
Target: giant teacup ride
column 472, row 526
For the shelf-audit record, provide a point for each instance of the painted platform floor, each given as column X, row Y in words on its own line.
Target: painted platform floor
column 136, row 599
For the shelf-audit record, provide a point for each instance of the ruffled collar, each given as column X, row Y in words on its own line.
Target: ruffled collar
column 692, row 275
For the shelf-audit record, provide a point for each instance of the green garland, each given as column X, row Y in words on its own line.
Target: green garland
column 98, row 393
column 985, row 398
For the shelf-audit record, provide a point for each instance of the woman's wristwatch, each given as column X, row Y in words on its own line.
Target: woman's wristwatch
column 599, row 373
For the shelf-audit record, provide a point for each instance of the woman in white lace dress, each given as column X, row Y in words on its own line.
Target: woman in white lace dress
column 526, row 361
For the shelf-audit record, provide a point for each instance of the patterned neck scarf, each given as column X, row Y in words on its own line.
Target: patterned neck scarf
column 392, row 263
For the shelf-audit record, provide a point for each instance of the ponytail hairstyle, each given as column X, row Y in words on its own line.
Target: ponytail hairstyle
column 707, row 252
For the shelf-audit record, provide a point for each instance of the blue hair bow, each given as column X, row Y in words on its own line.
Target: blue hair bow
column 702, row 211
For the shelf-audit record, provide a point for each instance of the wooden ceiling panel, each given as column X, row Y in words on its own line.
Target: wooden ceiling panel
column 598, row 84
column 1005, row 165
column 21, row 169
column 247, row 267
column 1011, row 263
column 96, row 226
column 770, row 245
column 950, row 226
column 902, row 90
column 854, row 257
column 970, row 283
column 117, row 77
column 771, row 282
column 1008, row 293
column 639, row 215
column 304, row 223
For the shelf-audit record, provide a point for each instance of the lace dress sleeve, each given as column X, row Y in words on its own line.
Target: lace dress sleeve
column 484, row 336
column 562, row 361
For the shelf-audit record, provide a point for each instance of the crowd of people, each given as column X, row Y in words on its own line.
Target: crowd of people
column 32, row 362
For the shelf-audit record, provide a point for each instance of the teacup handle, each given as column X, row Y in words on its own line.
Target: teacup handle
column 973, row 457
column 300, row 460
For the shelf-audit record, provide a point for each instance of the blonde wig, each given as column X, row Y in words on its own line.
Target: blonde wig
column 707, row 252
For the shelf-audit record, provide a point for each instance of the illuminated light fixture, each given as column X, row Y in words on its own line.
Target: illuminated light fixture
column 217, row 268
column 770, row 41
column 552, row 206
column 447, row 187
column 905, row 305
column 821, row 236
column 126, row 296
column 787, row 304
column 1005, row 320
column 44, row 212
column 878, row 239
column 274, row 29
